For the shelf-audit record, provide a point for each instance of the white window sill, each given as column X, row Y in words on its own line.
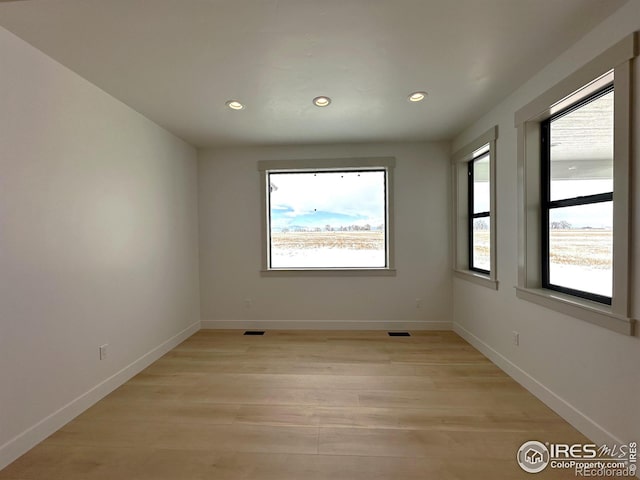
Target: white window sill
column 477, row 278
column 329, row 272
column 586, row 310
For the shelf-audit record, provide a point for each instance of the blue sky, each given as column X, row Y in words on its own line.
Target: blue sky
column 327, row 198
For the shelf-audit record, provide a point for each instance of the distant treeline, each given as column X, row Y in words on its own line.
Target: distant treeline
column 480, row 224
column 562, row 225
column 330, row 228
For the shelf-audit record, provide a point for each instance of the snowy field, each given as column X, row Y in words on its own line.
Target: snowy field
column 481, row 257
column 328, row 250
column 580, row 258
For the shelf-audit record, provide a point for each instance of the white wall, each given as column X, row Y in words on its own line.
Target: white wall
column 587, row 373
column 230, row 247
column 98, row 243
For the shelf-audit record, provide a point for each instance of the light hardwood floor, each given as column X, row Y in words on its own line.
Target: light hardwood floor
column 305, row 406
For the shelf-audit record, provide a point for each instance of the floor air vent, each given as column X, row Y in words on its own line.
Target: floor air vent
column 254, row 332
column 399, row 334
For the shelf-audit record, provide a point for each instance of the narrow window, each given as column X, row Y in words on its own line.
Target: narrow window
column 474, row 222
column 577, row 198
column 479, row 212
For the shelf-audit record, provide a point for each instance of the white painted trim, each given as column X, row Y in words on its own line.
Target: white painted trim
column 329, row 272
column 28, row 439
column 464, row 154
column 623, row 51
column 477, row 278
column 325, row 325
column 460, row 216
column 583, row 423
column 326, row 163
column 586, row 310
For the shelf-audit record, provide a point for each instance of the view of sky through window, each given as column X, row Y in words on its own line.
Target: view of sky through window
column 328, row 219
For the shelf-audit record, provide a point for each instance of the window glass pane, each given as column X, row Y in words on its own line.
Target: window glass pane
column 481, row 243
column 581, row 247
column 582, row 150
column 481, row 195
column 328, row 219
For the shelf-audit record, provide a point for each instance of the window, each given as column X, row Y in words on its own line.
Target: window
column 474, row 225
column 480, row 213
column 328, row 216
column 577, row 198
column 574, row 161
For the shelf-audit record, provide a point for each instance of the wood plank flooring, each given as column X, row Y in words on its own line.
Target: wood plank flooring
column 305, row 406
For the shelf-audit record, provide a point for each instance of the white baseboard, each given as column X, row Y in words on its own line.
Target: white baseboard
column 324, row 325
column 28, row 439
column 587, row 426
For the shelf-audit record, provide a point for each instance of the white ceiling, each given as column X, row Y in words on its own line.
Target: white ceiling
column 178, row 61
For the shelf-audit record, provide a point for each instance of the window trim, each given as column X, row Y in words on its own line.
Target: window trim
column 319, row 165
column 528, row 123
column 461, row 222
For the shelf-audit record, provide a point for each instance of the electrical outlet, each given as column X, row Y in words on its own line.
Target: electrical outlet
column 248, row 303
column 516, row 338
column 103, row 351
column 418, row 303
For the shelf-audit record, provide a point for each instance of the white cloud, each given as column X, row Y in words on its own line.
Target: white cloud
column 345, row 193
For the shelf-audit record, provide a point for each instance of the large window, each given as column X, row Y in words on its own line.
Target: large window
column 577, row 198
column 574, row 165
column 331, row 215
column 474, row 199
column 480, row 212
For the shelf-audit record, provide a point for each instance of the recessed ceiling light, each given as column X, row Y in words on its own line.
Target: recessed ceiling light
column 234, row 105
column 417, row 96
column 321, row 101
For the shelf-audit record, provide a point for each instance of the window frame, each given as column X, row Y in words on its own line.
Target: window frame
column 266, row 167
column 461, row 221
column 472, row 215
column 528, row 120
column 546, row 204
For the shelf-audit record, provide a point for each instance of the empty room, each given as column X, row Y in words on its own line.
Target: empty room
column 323, row 240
